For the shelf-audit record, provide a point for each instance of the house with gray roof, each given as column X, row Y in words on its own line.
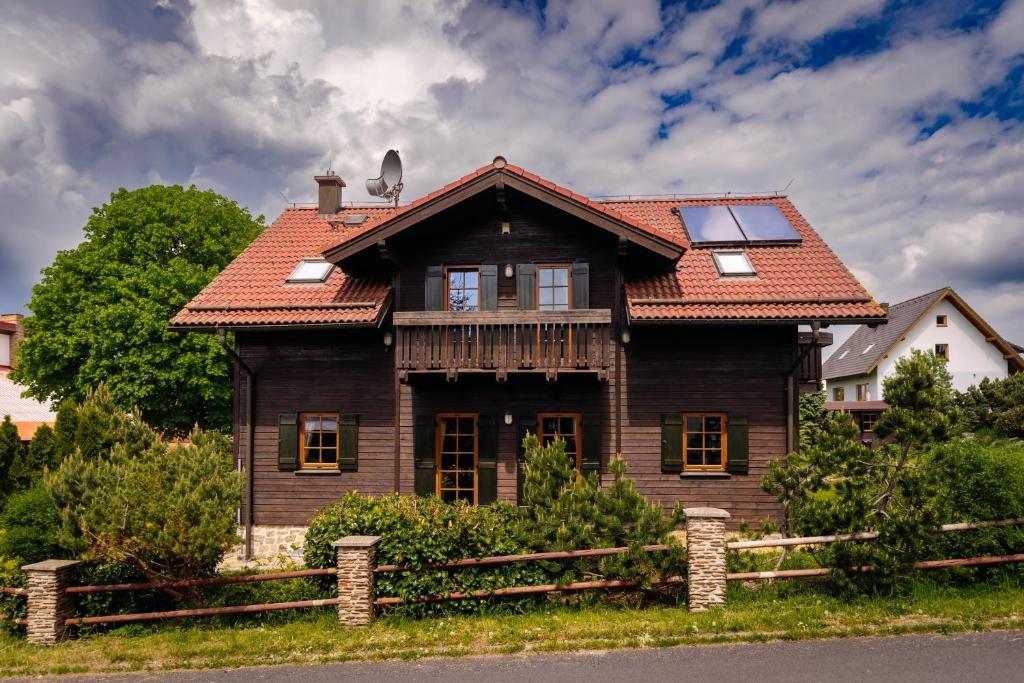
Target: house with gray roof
column 940, row 322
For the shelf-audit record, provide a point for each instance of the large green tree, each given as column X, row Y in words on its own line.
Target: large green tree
column 102, row 309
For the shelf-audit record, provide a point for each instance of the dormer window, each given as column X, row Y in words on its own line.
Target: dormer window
column 311, row 271
column 733, row 263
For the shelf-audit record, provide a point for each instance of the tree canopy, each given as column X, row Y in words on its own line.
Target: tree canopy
column 101, row 311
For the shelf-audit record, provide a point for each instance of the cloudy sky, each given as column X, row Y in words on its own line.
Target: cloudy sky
column 898, row 126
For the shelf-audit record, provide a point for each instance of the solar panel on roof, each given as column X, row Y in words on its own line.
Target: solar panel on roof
column 710, row 224
column 763, row 222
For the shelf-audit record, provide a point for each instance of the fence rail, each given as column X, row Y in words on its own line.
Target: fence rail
column 10, row 590
column 200, row 612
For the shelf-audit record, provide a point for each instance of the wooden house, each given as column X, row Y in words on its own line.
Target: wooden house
column 409, row 349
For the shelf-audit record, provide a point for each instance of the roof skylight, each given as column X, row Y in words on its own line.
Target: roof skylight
column 733, row 263
column 867, row 348
column 737, row 224
column 311, row 270
column 355, row 219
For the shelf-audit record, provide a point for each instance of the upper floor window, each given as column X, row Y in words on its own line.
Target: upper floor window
column 463, row 289
column 864, row 392
column 941, row 321
column 564, row 427
column 942, row 351
column 553, row 288
column 838, row 394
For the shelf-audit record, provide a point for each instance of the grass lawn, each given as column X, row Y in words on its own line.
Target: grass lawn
column 753, row 615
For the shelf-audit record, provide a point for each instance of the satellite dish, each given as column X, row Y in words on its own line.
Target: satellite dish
column 389, row 184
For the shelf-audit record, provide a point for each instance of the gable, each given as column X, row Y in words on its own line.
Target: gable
column 497, row 178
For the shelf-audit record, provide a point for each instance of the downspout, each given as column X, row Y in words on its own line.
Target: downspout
column 250, row 391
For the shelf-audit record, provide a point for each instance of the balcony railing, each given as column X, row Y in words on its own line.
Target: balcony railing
column 503, row 342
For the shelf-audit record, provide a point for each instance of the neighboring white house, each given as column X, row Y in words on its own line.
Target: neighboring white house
column 26, row 413
column 940, row 322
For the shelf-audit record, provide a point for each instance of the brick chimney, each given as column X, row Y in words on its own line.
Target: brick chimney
column 330, row 193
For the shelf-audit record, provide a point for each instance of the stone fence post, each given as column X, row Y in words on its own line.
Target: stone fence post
column 48, row 604
column 357, row 560
column 705, row 563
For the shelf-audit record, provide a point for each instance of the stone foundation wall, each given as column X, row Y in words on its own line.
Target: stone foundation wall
column 274, row 542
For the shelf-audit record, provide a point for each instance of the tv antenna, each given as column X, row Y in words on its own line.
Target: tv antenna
column 389, row 184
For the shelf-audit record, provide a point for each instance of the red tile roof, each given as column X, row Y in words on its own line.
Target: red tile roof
column 794, row 282
column 252, row 290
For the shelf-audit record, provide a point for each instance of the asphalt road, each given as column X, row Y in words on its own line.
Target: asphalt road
column 988, row 657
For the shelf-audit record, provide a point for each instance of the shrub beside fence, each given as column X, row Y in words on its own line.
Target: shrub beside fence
column 50, row 593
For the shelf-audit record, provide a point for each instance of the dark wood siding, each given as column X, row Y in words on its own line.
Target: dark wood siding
column 733, row 369
column 471, row 234
column 345, row 372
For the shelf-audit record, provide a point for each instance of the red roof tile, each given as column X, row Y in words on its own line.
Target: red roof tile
column 252, row 290
column 804, row 281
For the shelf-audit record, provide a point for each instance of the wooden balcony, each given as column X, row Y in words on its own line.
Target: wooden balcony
column 503, row 342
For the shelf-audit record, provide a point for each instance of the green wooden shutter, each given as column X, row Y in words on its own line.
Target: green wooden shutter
column 288, row 442
column 348, row 443
column 591, row 456
column 525, row 425
column 423, row 454
column 433, row 292
column 489, row 287
column 525, row 288
column 581, row 285
column 672, row 443
column 486, row 459
column 737, row 460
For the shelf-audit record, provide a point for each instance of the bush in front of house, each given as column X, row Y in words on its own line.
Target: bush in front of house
column 565, row 511
column 982, row 482
column 418, row 530
column 31, row 524
column 127, row 498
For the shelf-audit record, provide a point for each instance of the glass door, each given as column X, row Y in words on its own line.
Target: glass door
column 456, row 457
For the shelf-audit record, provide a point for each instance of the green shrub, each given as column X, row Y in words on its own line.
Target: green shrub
column 417, row 530
column 565, row 511
column 983, row 482
column 31, row 524
column 12, row 606
column 995, row 404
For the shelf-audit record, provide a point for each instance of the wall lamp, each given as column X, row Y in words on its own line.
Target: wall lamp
column 389, row 339
column 625, row 337
column 508, row 270
column 508, row 417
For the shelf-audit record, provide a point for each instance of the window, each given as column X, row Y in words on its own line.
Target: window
column 553, row 288
column 839, row 394
column 704, row 441
column 732, row 263
column 564, row 427
column 867, row 348
column 864, row 392
column 941, row 321
column 311, row 271
column 456, row 457
column 867, row 421
column 463, row 289
column 843, row 354
column 942, row 351
column 318, row 441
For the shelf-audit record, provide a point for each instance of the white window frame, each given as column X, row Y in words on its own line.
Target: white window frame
column 725, row 271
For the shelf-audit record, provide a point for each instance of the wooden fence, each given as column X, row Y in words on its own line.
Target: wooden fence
column 50, row 593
